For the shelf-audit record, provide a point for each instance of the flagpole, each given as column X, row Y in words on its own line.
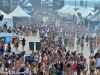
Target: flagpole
column 75, row 5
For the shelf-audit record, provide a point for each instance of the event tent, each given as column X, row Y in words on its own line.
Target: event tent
column 18, row 12
column 86, row 12
column 69, row 10
column 5, row 15
column 63, row 8
column 79, row 10
column 95, row 17
column 29, row 5
column 7, row 18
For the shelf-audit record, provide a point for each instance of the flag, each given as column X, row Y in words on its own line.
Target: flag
column 81, row 3
column 58, row 4
column 75, row 5
column 7, row 39
column 85, row 4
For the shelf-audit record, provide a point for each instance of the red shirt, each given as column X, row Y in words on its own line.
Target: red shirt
column 75, row 67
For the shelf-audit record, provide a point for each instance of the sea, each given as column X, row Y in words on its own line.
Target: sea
column 90, row 4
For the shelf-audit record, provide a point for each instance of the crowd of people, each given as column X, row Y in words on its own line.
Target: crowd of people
column 57, row 54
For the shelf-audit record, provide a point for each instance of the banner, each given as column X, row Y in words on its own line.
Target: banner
column 58, row 4
column 7, row 39
column 96, row 27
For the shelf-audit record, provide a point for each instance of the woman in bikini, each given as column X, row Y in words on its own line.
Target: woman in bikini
column 16, row 44
column 92, row 68
column 82, row 44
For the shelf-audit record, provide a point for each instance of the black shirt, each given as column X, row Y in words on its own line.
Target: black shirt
column 23, row 42
column 79, row 67
column 9, row 48
column 22, row 71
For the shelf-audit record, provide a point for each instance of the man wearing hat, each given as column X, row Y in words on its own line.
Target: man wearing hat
column 22, row 69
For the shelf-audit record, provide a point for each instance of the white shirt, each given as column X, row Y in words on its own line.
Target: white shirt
column 86, row 67
column 94, row 35
column 27, row 70
column 98, row 62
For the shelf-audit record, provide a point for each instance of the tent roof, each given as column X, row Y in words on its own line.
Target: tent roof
column 5, row 15
column 95, row 17
column 79, row 10
column 69, row 10
column 63, row 8
column 18, row 12
column 84, row 12
column 29, row 4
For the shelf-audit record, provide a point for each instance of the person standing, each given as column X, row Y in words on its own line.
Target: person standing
column 75, row 68
column 85, row 66
column 22, row 69
column 16, row 44
column 82, row 44
column 98, row 65
column 78, row 43
column 91, row 47
column 23, row 43
column 8, row 49
column 92, row 68
column 87, row 40
column 79, row 67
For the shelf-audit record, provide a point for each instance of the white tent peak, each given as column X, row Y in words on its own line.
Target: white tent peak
column 69, row 10
column 29, row 4
column 18, row 12
column 2, row 13
column 63, row 8
column 5, row 15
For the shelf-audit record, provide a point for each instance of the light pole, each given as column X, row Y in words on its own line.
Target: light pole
column 75, row 5
column 0, row 9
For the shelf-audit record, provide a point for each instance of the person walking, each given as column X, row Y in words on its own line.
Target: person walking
column 92, row 68
column 16, row 44
column 87, row 40
column 98, row 65
column 23, row 43
column 8, row 49
column 82, row 45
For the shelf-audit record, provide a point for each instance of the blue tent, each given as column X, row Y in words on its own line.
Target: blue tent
column 26, row 11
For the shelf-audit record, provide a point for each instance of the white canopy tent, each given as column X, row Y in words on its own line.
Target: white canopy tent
column 29, row 4
column 86, row 12
column 7, row 18
column 80, row 10
column 63, row 8
column 95, row 17
column 18, row 12
column 68, row 12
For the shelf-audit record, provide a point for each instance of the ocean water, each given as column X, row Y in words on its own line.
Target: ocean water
column 89, row 3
